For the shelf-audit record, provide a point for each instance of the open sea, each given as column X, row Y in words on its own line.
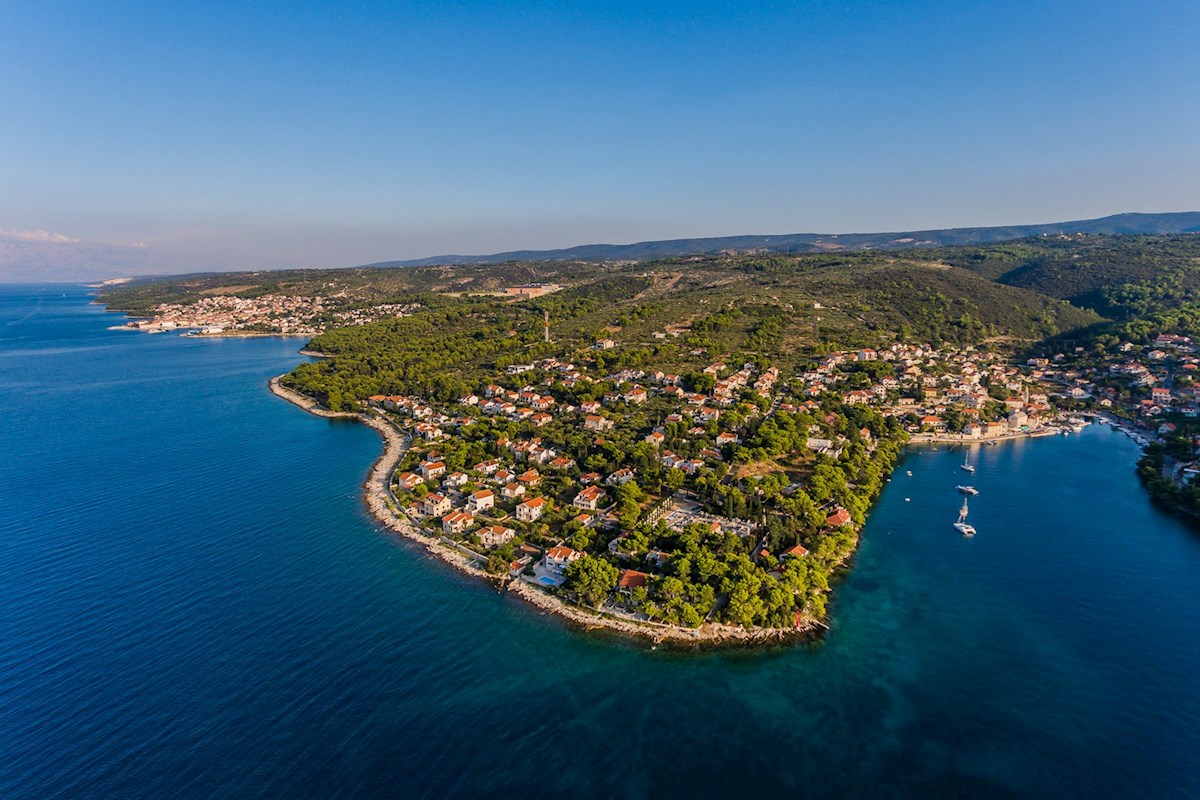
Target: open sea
column 193, row 603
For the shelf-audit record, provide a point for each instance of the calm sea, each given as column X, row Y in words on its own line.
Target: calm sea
column 193, row 604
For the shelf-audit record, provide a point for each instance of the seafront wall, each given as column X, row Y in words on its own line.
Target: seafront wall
column 962, row 438
column 379, row 500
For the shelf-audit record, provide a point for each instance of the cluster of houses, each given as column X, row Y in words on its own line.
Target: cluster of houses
column 947, row 390
column 635, row 387
column 506, row 489
column 498, row 489
column 923, row 381
column 1146, row 381
column 292, row 314
column 928, row 387
column 926, row 383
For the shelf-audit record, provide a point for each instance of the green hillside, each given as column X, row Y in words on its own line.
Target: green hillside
column 783, row 310
column 1080, row 268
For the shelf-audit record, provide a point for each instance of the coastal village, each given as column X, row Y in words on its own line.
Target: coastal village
column 225, row 313
column 796, row 398
column 1151, row 391
column 627, row 492
column 721, row 493
column 273, row 314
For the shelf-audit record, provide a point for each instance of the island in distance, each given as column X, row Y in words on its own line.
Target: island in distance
column 686, row 448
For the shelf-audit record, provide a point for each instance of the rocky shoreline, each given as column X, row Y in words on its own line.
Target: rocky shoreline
column 707, row 635
column 306, row 403
column 379, row 501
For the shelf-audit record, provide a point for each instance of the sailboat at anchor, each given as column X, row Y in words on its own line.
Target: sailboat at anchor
column 962, row 526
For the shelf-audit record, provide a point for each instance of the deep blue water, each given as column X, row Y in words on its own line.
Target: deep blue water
column 194, row 604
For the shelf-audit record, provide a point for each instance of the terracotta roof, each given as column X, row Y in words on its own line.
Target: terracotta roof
column 631, row 579
column 838, row 518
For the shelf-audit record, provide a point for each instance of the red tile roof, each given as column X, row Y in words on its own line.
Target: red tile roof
column 631, row 579
column 838, row 518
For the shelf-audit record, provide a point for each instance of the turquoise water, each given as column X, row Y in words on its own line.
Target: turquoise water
column 194, row 604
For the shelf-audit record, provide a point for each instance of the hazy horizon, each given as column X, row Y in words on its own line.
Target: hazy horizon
column 123, row 261
column 37, row 256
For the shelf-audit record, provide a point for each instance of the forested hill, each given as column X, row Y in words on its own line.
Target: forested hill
column 676, row 314
column 1143, row 284
column 785, row 306
column 1077, row 268
column 782, row 308
column 1180, row 222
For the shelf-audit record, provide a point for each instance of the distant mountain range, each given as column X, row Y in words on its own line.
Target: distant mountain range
column 1177, row 222
column 26, row 257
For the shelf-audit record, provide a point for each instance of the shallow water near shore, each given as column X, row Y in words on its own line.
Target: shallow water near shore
column 194, row 603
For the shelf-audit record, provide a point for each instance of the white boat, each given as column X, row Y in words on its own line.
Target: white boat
column 966, row 465
column 910, row 473
column 962, row 526
column 971, row 490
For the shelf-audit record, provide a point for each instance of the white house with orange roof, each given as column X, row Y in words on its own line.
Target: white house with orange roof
column 558, row 558
column 457, row 522
column 495, row 535
column 409, row 481
column 481, row 500
column 435, row 504
column 532, row 509
column 589, row 498
column 433, row 469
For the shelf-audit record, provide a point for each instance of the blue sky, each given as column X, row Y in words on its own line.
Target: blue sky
column 321, row 134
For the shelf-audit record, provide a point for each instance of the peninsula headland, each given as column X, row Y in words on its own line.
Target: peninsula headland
column 686, row 449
